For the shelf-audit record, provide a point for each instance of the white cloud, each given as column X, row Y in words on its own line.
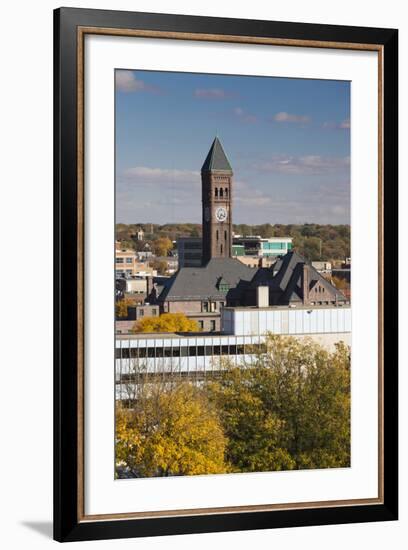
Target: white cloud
column 161, row 175
column 243, row 116
column 211, row 93
column 126, row 81
column 290, row 117
column 308, row 164
column 343, row 125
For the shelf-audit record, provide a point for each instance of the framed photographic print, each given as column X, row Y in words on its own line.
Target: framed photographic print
column 225, row 274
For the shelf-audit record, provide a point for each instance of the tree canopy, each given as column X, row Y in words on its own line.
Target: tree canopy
column 167, row 322
column 287, row 408
column 171, row 432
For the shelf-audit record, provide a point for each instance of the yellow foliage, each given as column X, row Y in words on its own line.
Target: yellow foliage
column 167, row 322
column 162, row 246
column 122, row 307
column 170, row 432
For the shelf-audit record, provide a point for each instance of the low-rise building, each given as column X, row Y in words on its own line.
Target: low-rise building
column 255, row 245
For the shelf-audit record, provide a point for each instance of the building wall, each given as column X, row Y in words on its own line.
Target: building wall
column 252, row 321
column 194, row 356
column 208, row 321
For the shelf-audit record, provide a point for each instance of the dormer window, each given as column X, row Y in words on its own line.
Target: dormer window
column 223, row 285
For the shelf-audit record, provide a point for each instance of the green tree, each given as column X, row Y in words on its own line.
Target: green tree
column 254, row 433
column 288, row 409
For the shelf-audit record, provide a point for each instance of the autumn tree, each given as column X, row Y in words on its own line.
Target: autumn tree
column 255, row 440
column 308, row 388
column 167, row 322
column 340, row 283
column 121, row 308
column 162, row 246
column 160, row 265
column 170, row 432
column 288, row 409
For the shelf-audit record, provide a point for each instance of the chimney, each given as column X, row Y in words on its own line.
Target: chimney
column 262, row 296
column 149, row 285
column 305, row 283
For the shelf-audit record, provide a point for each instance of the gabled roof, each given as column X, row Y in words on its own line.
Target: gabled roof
column 286, row 284
column 199, row 283
column 216, row 159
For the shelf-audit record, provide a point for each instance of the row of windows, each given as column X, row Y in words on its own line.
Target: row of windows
column 274, row 246
column 187, row 351
column 122, row 260
column 217, row 235
column 221, row 192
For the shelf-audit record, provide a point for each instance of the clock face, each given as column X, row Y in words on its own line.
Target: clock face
column 221, row 214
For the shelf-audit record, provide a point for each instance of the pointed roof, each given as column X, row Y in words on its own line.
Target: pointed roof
column 198, row 283
column 216, row 159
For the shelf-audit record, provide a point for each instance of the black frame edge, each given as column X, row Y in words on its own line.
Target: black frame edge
column 66, row 525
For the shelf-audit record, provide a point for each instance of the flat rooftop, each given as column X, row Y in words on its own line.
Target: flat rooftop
column 282, row 308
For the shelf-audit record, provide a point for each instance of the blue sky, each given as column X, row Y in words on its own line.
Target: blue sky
column 288, row 141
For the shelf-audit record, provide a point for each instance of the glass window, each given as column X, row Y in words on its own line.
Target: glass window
column 205, row 307
column 167, row 352
column 212, row 325
column 159, row 352
column 183, row 351
column 129, row 260
column 225, row 350
column 142, row 353
column 119, row 261
column 233, row 349
column 176, row 351
column 150, row 352
column 208, row 350
column 192, row 351
column 200, row 351
column 217, row 350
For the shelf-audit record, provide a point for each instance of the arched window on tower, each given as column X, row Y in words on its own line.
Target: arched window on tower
column 216, row 191
column 221, row 249
column 226, row 192
column 225, row 235
column 221, row 192
column 217, row 234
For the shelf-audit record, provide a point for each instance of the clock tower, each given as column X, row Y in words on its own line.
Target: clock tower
column 216, row 185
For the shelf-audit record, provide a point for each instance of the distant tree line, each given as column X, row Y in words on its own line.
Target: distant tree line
column 313, row 241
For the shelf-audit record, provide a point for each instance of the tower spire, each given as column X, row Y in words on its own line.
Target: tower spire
column 216, row 159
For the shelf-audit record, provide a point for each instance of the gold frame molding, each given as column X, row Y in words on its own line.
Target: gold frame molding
column 82, row 31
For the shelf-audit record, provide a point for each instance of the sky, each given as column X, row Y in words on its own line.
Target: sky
column 287, row 140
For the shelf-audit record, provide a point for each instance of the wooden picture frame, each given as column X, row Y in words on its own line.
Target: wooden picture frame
column 70, row 27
